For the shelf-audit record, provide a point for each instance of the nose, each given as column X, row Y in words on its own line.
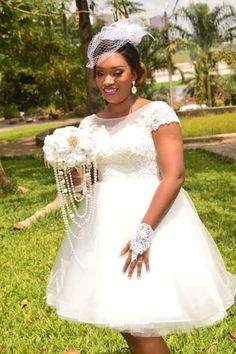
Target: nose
column 108, row 80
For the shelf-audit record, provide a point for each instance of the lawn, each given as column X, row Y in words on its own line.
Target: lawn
column 209, row 124
column 195, row 126
column 28, row 131
column 29, row 326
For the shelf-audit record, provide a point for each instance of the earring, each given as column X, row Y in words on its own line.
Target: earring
column 134, row 88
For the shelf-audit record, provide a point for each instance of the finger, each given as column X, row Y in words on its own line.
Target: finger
column 146, row 261
column 128, row 260
column 139, row 267
column 131, row 268
column 125, row 250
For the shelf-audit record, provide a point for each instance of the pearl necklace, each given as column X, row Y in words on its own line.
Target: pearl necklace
column 69, row 200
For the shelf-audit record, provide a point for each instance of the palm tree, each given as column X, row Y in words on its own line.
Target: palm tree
column 206, row 29
column 123, row 8
column 158, row 52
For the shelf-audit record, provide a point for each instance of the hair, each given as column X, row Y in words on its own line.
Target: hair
column 131, row 55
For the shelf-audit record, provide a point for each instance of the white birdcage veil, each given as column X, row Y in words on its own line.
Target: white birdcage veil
column 113, row 37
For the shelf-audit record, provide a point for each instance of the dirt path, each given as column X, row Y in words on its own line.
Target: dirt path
column 27, row 146
column 227, row 148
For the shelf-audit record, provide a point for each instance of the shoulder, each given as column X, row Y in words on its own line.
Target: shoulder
column 159, row 113
column 86, row 122
column 141, row 102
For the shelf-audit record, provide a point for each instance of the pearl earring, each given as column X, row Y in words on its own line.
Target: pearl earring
column 134, row 88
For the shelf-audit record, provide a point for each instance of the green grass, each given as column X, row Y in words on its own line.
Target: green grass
column 26, row 132
column 209, row 124
column 27, row 257
column 195, row 126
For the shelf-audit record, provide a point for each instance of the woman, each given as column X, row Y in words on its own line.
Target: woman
column 145, row 265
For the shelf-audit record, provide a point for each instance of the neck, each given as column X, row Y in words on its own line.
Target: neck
column 122, row 108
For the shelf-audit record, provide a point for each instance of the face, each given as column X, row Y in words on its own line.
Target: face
column 114, row 77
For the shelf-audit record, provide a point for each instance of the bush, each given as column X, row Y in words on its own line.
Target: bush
column 11, row 111
column 80, row 111
column 39, row 111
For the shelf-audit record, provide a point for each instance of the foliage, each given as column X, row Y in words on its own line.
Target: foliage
column 123, row 8
column 157, row 52
column 28, row 325
column 206, row 30
column 40, row 60
column 229, row 86
column 10, row 111
column 93, row 99
column 228, row 55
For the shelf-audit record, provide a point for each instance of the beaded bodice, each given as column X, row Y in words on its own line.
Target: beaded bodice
column 125, row 145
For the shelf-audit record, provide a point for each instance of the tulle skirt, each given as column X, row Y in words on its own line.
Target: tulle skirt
column 187, row 285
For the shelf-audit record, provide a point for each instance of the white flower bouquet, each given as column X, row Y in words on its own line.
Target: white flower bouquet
column 67, row 149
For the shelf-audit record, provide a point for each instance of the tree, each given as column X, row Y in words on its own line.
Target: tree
column 124, row 8
column 5, row 182
column 93, row 98
column 40, row 60
column 157, row 51
column 206, row 30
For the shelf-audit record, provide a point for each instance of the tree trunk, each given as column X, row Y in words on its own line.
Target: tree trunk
column 209, row 96
column 4, row 180
column 93, row 97
column 55, row 204
column 170, row 83
column 169, row 59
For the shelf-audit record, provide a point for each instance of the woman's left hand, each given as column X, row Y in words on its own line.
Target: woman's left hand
column 138, row 263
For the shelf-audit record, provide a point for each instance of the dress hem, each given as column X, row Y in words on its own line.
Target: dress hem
column 148, row 329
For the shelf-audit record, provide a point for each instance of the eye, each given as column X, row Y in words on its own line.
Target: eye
column 99, row 73
column 118, row 73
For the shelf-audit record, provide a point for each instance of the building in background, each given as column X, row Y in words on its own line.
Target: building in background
column 157, row 22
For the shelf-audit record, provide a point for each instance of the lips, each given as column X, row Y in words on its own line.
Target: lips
column 110, row 91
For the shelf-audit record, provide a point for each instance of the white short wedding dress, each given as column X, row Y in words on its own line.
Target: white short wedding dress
column 187, row 285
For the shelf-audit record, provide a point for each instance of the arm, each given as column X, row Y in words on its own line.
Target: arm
column 169, row 147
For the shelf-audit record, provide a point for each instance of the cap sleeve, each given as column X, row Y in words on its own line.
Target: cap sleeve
column 85, row 123
column 161, row 114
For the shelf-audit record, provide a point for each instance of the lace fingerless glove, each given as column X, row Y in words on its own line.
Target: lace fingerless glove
column 141, row 240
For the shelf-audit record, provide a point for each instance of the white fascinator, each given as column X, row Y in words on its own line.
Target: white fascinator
column 113, row 37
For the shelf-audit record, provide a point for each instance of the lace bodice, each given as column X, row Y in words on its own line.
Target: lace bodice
column 125, row 145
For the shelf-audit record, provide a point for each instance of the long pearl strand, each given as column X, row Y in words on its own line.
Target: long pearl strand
column 66, row 191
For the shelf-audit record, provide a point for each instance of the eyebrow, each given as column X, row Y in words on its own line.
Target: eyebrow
column 113, row 67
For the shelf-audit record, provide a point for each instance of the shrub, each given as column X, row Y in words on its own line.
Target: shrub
column 39, row 111
column 11, row 111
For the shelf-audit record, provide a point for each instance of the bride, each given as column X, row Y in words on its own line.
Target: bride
column 145, row 264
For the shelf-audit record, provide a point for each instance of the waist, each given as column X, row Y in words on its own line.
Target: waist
column 129, row 175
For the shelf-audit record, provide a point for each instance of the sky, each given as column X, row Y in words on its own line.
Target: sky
column 156, row 7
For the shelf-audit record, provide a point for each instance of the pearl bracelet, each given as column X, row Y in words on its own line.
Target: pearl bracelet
column 141, row 241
